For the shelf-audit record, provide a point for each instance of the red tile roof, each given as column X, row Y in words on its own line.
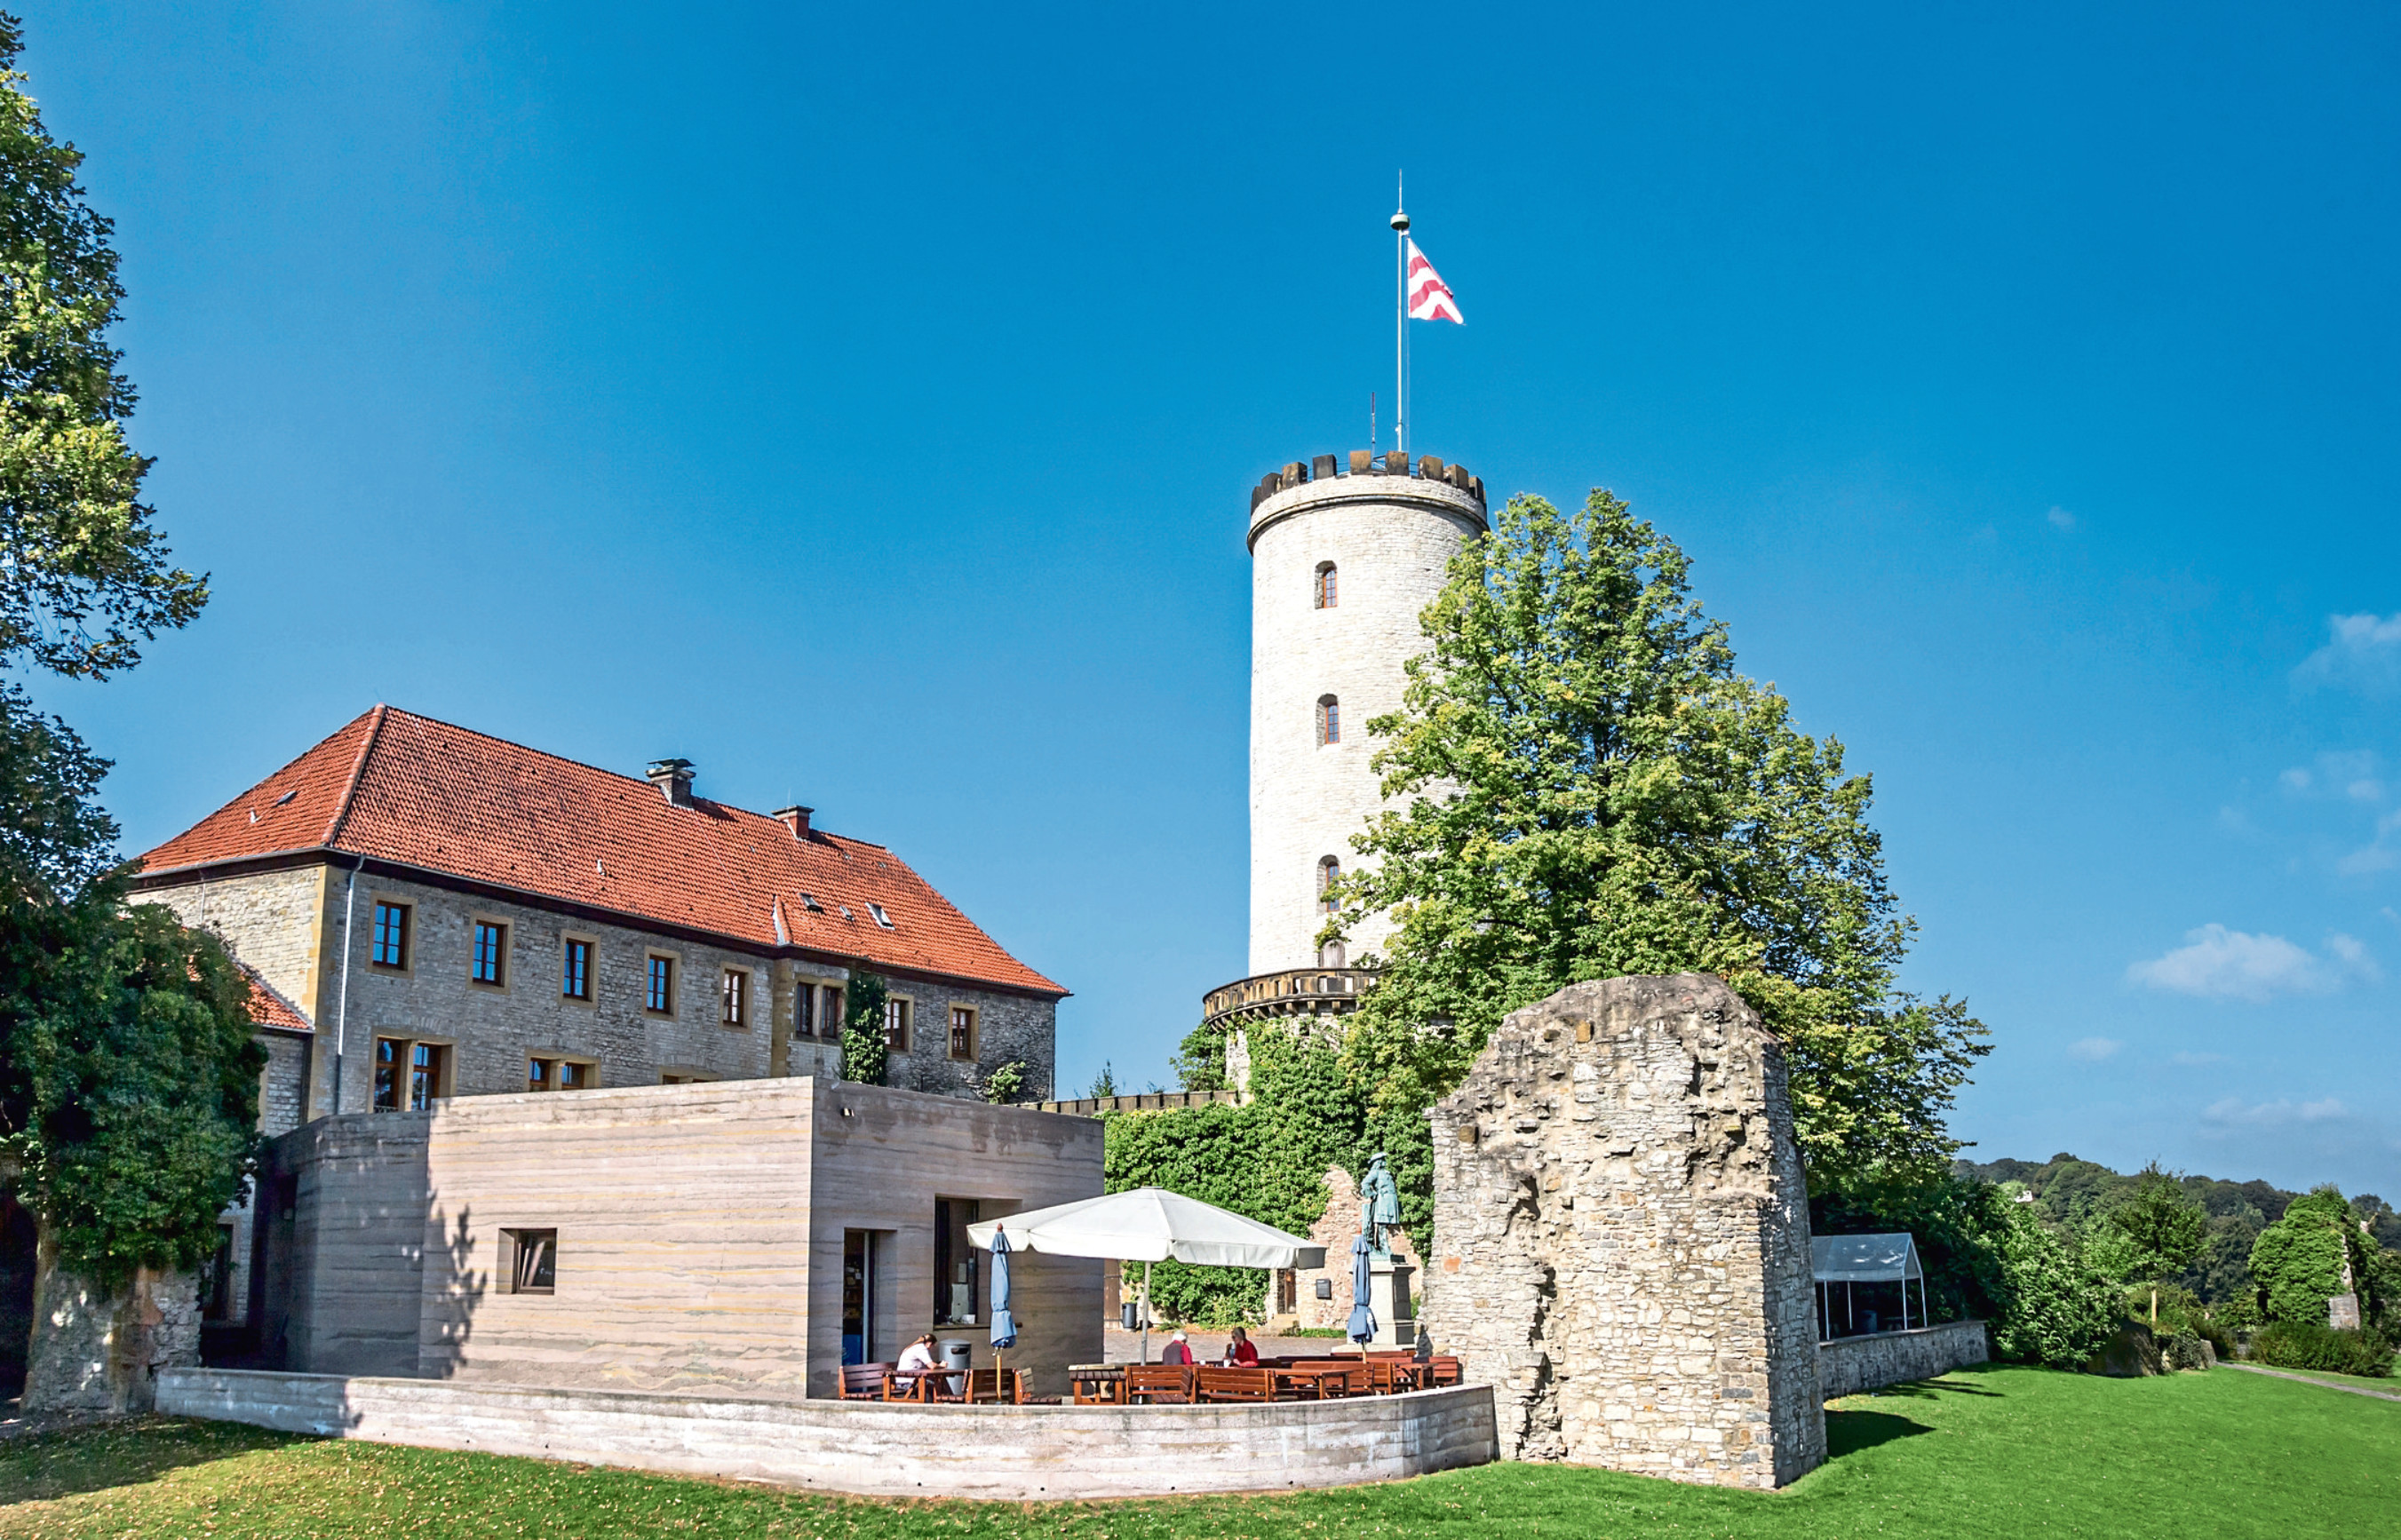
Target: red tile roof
column 268, row 1008
column 398, row 787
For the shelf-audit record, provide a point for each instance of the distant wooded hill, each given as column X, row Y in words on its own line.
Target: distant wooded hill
column 2074, row 1192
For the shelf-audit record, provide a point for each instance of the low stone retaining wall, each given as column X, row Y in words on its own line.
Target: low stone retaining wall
column 889, row 1450
column 1848, row 1365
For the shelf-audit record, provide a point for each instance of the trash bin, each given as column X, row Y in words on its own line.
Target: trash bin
column 956, row 1354
column 1126, row 1317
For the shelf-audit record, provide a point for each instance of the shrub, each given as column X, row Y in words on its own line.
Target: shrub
column 2056, row 1308
column 2184, row 1350
column 2305, row 1344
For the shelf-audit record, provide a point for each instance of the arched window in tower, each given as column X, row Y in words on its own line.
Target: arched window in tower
column 1329, row 720
column 1328, row 592
column 1329, row 871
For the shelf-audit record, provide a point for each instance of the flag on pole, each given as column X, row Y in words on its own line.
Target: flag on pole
column 1430, row 297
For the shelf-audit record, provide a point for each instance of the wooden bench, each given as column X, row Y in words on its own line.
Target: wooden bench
column 1157, row 1384
column 983, row 1384
column 1234, row 1384
column 864, row 1381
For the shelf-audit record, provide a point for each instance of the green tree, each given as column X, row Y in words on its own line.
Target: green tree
column 2164, row 1228
column 1585, row 787
column 129, row 1068
column 2058, row 1309
column 1104, row 1085
column 866, row 1039
column 86, row 577
column 2312, row 1254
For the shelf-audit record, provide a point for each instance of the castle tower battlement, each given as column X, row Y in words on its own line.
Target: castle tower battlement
column 1345, row 554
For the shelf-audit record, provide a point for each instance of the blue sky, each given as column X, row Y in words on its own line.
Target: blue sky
column 861, row 402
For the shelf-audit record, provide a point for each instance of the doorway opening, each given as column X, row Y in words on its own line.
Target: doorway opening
column 857, row 1295
column 17, row 1238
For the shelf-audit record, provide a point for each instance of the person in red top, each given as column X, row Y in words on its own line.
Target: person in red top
column 1240, row 1354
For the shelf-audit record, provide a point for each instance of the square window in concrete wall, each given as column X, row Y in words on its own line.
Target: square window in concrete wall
column 410, row 1073
column 963, row 1032
column 896, row 1024
column 575, row 957
column 394, row 936
column 734, row 995
column 529, row 1261
column 659, row 983
column 487, row 960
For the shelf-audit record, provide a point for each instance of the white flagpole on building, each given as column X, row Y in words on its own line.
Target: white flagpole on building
column 1401, row 322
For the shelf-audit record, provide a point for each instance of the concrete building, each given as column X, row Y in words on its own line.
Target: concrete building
column 1344, row 558
column 432, row 913
column 729, row 1238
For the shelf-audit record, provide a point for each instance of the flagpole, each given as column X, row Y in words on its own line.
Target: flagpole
column 1401, row 327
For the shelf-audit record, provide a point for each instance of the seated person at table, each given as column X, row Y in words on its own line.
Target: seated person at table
column 1179, row 1349
column 1240, row 1354
column 916, row 1359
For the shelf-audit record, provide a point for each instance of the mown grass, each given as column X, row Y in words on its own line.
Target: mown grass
column 1991, row 1453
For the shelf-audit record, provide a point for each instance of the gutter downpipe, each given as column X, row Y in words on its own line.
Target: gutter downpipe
column 342, row 1010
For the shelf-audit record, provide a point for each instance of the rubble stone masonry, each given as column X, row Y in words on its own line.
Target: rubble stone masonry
column 1622, row 1236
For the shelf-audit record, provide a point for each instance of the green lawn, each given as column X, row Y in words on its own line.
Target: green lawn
column 1985, row 1452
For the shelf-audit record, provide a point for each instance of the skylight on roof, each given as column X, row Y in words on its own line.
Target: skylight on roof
column 881, row 918
column 287, row 796
column 809, row 902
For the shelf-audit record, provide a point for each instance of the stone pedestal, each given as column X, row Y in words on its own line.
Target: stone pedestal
column 1388, row 1296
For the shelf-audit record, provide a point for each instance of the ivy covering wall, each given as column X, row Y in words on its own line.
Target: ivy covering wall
column 1266, row 1160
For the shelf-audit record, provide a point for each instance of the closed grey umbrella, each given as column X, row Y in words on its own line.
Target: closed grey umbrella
column 1004, row 1325
column 1362, row 1319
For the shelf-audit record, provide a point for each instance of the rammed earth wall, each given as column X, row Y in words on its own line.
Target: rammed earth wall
column 1849, row 1365
column 1623, row 1237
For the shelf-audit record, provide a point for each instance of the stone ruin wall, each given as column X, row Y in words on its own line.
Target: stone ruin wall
column 1622, row 1236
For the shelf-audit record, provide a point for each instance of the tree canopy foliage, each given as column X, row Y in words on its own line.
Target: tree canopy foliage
column 129, row 1068
column 1583, row 786
column 87, row 577
column 2315, row 1252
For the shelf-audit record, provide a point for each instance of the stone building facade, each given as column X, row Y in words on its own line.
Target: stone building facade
column 427, row 912
column 1623, row 1237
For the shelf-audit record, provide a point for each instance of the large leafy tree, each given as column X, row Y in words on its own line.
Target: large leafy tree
column 2311, row 1255
column 1584, row 787
column 129, row 1068
column 86, row 577
column 129, row 1072
column 2164, row 1228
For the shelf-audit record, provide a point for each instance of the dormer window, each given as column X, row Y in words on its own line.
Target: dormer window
column 881, row 918
column 1326, row 592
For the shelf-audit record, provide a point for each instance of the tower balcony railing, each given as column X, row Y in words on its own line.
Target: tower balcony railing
column 1293, row 991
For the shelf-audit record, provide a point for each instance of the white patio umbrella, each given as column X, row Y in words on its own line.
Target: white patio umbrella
column 1151, row 1224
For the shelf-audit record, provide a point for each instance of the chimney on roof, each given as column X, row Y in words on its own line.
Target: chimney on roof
column 673, row 777
column 796, row 820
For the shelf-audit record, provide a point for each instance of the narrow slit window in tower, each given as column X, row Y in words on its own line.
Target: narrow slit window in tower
column 1328, row 592
column 1328, row 871
column 1329, row 720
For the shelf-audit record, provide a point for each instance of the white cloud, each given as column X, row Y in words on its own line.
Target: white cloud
column 2365, row 652
column 2295, row 779
column 2380, row 854
column 2217, row 963
column 2093, row 1050
column 2061, row 519
column 2270, row 1114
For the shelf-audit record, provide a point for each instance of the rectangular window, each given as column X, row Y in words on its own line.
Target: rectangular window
column 963, row 1032
column 529, row 1261
column 491, row 953
column 391, row 935
column 561, row 1074
column 575, row 970
column 426, row 1063
column 737, row 997
column 957, row 1275
column 804, row 1010
column 896, row 1026
column 881, row 918
column 660, row 1001
column 410, row 1077
column 829, row 1013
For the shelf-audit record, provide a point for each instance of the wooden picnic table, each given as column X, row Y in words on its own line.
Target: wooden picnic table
column 1097, row 1384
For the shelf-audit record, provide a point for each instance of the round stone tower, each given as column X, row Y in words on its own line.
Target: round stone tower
column 1344, row 557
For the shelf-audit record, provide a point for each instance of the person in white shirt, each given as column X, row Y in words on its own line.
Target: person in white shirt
column 915, row 1359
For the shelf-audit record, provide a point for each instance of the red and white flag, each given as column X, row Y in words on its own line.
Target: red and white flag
column 1430, row 297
